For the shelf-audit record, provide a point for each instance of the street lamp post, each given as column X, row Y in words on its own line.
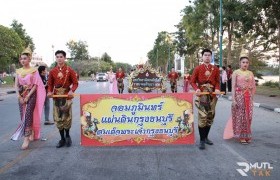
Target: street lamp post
column 167, row 39
column 221, row 34
column 53, row 52
column 168, row 67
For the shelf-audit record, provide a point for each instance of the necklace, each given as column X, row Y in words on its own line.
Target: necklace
column 60, row 74
column 246, row 74
column 207, row 72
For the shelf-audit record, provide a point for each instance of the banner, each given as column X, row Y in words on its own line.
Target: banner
column 136, row 119
column 146, row 78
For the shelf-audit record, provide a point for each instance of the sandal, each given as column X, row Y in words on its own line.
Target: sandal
column 25, row 144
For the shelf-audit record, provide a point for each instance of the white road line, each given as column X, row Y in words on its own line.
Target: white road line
column 241, row 158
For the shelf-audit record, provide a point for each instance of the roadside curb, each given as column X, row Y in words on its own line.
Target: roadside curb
column 8, row 92
column 3, row 93
column 259, row 105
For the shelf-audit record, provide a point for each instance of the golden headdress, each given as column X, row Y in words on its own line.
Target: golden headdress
column 244, row 53
column 27, row 51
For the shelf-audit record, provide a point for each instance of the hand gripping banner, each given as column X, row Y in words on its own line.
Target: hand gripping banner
column 136, row 119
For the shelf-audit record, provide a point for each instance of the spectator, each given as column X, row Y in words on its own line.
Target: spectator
column 43, row 73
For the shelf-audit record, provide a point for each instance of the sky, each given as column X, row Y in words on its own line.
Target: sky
column 125, row 29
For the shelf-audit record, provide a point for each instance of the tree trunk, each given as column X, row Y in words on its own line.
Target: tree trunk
column 166, row 68
column 190, row 62
column 230, row 29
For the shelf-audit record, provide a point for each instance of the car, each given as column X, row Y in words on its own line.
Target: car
column 101, row 77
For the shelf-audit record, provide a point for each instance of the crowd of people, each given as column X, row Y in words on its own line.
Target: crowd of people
column 35, row 86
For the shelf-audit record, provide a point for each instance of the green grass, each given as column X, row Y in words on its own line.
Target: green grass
column 9, row 81
column 267, row 90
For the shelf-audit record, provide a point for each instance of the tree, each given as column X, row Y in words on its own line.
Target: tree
column 105, row 57
column 125, row 66
column 244, row 23
column 163, row 51
column 78, row 50
column 27, row 40
column 11, row 46
column 272, row 18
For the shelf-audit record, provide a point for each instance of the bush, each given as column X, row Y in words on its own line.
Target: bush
column 271, row 84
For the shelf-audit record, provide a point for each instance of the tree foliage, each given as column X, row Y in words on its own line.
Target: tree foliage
column 251, row 24
column 125, row 66
column 163, row 51
column 78, row 50
column 11, row 46
column 105, row 57
column 27, row 40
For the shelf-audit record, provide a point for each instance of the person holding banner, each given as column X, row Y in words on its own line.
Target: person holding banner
column 113, row 89
column 243, row 86
column 120, row 76
column 62, row 81
column 173, row 77
column 205, row 78
column 31, row 97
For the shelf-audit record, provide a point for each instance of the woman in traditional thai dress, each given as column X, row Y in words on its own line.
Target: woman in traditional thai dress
column 187, row 78
column 113, row 85
column 31, row 97
column 243, row 89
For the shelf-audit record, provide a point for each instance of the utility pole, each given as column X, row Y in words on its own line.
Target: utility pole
column 53, row 52
column 157, row 59
column 221, row 34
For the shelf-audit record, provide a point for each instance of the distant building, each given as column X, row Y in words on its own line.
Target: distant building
column 179, row 63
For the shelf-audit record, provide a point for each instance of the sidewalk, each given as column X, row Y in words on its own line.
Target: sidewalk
column 5, row 91
column 262, row 101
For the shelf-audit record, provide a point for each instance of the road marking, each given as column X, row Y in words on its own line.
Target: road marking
column 16, row 160
column 5, row 138
column 25, row 153
column 241, row 158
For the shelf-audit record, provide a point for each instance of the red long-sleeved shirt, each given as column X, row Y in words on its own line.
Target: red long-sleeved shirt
column 120, row 75
column 69, row 79
column 198, row 77
column 173, row 75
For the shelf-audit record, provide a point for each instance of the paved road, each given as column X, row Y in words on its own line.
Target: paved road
column 44, row 161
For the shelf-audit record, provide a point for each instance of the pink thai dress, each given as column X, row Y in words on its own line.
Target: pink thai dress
column 242, row 112
column 113, row 87
column 30, row 112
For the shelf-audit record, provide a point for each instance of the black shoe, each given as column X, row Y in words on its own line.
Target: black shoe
column 60, row 144
column 202, row 145
column 207, row 141
column 48, row 123
column 68, row 141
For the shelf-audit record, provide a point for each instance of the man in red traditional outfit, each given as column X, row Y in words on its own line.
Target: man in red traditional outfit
column 173, row 77
column 62, row 81
column 120, row 76
column 206, row 78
